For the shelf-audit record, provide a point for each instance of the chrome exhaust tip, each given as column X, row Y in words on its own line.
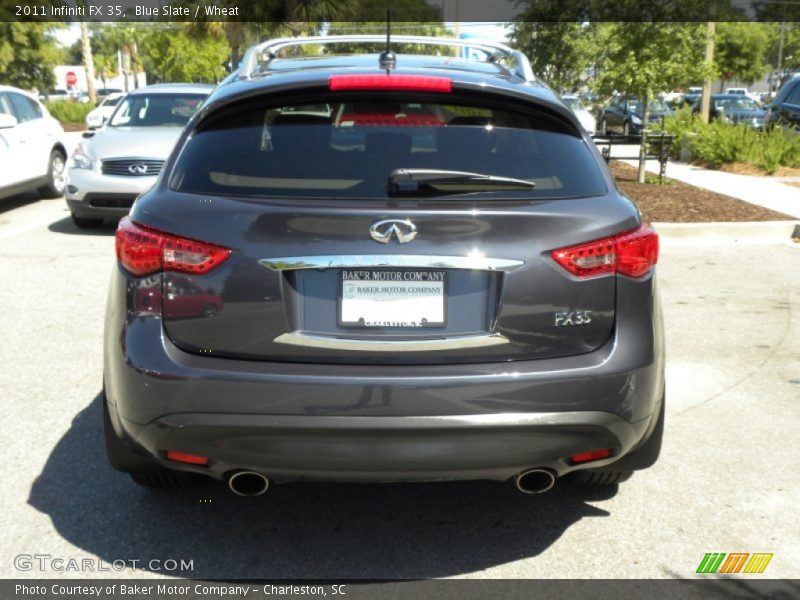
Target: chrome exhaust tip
column 248, row 483
column 535, row 481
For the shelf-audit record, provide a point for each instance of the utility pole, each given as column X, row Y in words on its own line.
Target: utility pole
column 457, row 28
column 780, row 47
column 88, row 61
column 705, row 100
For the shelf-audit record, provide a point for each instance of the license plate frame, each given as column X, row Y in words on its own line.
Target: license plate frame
column 403, row 277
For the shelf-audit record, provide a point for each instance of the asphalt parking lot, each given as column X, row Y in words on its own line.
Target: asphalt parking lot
column 728, row 479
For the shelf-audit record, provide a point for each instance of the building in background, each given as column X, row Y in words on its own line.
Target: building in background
column 72, row 78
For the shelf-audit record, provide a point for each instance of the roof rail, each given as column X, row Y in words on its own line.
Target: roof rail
column 495, row 52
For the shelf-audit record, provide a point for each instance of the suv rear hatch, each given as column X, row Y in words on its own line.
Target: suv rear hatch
column 333, row 262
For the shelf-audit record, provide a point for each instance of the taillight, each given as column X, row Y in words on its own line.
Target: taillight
column 143, row 251
column 413, row 83
column 632, row 253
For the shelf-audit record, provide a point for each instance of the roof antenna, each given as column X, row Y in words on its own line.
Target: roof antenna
column 387, row 59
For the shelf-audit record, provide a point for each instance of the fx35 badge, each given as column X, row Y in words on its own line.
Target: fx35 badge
column 577, row 317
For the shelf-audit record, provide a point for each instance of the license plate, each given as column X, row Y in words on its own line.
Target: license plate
column 392, row 298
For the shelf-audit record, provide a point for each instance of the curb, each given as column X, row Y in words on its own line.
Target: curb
column 753, row 232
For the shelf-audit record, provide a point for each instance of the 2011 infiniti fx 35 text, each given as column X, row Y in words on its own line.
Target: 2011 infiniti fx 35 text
column 384, row 268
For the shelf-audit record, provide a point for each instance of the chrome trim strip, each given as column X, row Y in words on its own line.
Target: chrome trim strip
column 421, row 261
column 362, row 345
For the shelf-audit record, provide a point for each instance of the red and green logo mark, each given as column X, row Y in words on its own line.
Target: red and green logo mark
column 735, row 562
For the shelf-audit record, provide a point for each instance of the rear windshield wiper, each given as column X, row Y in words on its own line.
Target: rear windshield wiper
column 421, row 181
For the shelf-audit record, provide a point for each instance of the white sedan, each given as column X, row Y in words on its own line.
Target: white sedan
column 97, row 117
column 32, row 152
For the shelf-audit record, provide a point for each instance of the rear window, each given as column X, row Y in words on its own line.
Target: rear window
column 349, row 148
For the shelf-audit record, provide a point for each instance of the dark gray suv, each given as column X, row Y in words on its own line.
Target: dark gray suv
column 384, row 268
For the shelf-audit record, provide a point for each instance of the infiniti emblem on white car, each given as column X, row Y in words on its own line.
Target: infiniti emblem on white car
column 382, row 231
column 138, row 169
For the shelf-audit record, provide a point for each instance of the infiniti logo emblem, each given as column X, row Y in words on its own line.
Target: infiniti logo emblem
column 138, row 169
column 403, row 231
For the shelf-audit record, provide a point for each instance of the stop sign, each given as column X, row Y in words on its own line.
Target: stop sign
column 72, row 78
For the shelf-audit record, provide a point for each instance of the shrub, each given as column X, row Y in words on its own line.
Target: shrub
column 683, row 121
column 721, row 143
column 776, row 147
column 67, row 112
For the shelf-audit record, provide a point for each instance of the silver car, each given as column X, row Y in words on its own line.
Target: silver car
column 112, row 166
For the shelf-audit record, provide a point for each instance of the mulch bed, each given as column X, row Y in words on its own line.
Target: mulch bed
column 678, row 202
column 74, row 126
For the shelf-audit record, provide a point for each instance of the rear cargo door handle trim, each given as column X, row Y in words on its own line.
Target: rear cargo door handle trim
column 417, row 261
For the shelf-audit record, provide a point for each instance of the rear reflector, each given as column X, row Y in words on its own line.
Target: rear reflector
column 412, row 83
column 590, row 456
column 189, row 459
column 143, row 251
column 632, row 253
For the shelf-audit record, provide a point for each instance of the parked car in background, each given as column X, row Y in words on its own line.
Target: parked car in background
column 785, row 108
column 586, row 118
column 98, row 116
column 32, row 152
column 482, row 307
column 735, row 108
column 692, row 95
column 624, row 115
column 116, row 163
column 79, row 96
column 742, row 91
column 55, row 95
column 101, row 93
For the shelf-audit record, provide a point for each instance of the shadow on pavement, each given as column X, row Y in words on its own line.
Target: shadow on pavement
column 12, row 202
column 65, row 225
column 298, row 530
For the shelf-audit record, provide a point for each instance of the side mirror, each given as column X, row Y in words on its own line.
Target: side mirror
column 7, row 121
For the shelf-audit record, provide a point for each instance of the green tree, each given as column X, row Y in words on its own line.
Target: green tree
column 560, row 52
column 741, row 51
column 783, row 48
column 644, row 59
column 28, row 53
column 173, row 55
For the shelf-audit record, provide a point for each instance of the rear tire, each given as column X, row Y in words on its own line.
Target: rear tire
column 142, row 469
column 86, row 223
column 56, row 176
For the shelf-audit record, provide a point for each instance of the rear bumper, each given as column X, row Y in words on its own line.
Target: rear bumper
column 387, row 448
column 381, row 422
